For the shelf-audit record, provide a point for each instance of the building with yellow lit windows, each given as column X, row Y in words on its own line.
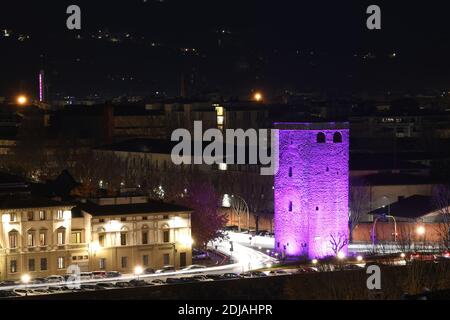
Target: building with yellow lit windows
column 43, row 237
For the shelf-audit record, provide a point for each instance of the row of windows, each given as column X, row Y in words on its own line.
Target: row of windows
column 42, row 216
column 76, row 238
column 321, row 137
column 60, row 264
column 124, row 238
column 31, row 238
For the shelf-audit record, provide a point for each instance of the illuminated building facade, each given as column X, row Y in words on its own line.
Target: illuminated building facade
column 44, row 237
column 311, row 189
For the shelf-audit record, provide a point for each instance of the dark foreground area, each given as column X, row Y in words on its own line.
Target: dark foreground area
column 416, row 281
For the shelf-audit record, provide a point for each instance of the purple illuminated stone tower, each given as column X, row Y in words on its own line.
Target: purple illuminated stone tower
column 311, row 188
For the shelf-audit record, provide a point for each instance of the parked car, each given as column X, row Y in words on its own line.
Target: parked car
column 7, row 294
column 230, row 276
column 194, row 267
column 106, row 285
column 189, row 279
column 59, row 289
column 278, row 273
column 352, row 267
column 202, row 278
column 38, row 281
column 173, row 280
column 7, row 283
column 253, row 274
column 89, row 287
column 99, row 274
column 55, row 279
column 40, row 291
column 86, row 276
column 138, row 283
column 22, row 292
column 158, row 281
column 113, row 274
column 149, row 271
column 166, row 269
column 214, row 276
column 123, row 284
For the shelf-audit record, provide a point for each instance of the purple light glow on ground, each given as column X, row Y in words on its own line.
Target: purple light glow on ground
column 317, row 191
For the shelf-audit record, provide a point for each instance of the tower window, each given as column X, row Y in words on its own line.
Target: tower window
column 290, row 172
column 337, row 137
column 317, row 208
column 321, row 138
column 290, row 206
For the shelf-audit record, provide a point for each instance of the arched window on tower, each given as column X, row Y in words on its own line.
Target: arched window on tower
column 290, row 172
column 337, row 138
column 321, row 138
column 290, row 206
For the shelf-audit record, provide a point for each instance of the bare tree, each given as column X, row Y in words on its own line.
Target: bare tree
column 441, row 202
column 338, row 242
column 239, row 207
column 359, row 202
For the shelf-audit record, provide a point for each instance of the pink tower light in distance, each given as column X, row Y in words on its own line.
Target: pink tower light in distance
column 41, row 86
column 311, row 189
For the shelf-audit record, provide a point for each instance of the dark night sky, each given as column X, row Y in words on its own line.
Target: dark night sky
column 261, row 52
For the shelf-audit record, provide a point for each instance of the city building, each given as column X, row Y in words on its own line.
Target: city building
column 44, row 237
column 409, row 222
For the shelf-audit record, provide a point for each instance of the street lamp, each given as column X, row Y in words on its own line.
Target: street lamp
column 420, row 231
column 359, row 258
column 374, row 229
column 315, row 261
column 341, row 255
column 258, row 97
column 25, row 279
column 22, row 100
column 138, row 271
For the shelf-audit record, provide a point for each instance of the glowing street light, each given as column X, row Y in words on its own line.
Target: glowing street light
column 420, row 230
column 258, row 96
column 359, row 258
column 402, row 255
column 22, row 100
column 341, row 255
column 315, row 261
column 138, row 271
column 25, row 279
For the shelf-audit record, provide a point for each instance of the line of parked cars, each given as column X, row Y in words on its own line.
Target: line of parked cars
column 54, row 284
